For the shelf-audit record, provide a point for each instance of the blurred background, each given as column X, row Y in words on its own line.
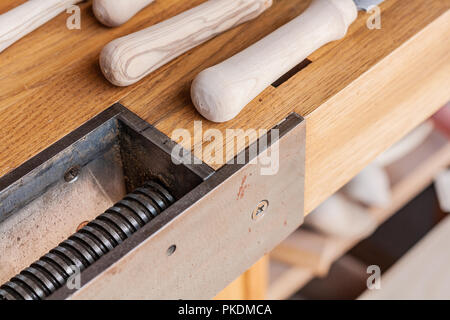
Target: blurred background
column 385, row 235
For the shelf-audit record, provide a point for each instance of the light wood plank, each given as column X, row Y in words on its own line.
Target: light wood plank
column 257, row 280
column 286, row 280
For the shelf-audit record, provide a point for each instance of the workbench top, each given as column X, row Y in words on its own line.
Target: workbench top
column 359, row 95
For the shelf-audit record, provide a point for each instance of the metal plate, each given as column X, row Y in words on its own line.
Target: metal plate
column 366, row 5
column 210, row 236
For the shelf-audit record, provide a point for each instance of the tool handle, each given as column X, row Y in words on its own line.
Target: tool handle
column 219, row 93
column 18, row 22
column 127, row 60
column 113, row 13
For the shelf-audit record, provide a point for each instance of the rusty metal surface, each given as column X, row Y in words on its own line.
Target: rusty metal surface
column 209, row 237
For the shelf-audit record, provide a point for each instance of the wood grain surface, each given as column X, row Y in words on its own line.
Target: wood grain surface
column 359, row 95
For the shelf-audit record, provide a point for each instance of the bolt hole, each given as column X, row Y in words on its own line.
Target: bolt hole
column 71, row 175
column 171, row 250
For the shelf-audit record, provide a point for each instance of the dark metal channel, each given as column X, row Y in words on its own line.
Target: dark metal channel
column 149, row 170
column 28, row 182
column 89, row 244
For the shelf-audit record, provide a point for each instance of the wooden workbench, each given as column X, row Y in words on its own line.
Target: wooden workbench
column 359, row 95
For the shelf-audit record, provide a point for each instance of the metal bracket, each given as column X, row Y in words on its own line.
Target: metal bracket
column 221, row 225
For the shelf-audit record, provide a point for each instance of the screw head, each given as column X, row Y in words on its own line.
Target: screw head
column 71, row 175
column 260, row 210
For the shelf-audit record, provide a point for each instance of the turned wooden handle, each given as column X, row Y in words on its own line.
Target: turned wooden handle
column 113, row 13
column 127, row 60
column 18, row 22
column 222, row 91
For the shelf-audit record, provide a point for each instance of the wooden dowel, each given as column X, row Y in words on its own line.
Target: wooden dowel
column 219, row 93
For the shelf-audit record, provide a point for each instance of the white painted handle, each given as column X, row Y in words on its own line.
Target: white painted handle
column 113, row 13
column 18, row 22
column 127, row 60
column 222, row 91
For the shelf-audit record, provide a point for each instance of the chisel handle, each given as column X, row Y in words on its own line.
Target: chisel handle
column 20, row 21
column 220, row 93
column 127, row 60
column 113, row 13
